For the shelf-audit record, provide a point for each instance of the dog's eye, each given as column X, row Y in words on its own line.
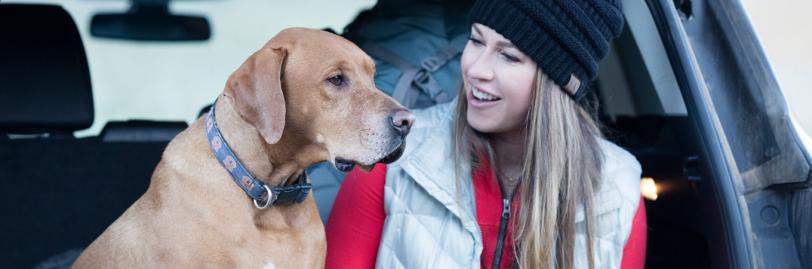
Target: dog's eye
column 337, row 80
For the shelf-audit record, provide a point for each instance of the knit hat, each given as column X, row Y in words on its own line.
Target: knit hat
column 566, row 38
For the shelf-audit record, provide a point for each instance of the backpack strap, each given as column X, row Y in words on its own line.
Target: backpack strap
column 415, row 78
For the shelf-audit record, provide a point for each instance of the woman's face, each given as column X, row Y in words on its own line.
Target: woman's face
column 498, row 81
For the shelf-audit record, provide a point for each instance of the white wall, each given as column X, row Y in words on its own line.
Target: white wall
column 173, row 81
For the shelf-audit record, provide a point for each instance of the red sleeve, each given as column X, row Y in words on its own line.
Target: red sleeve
column 634, row 253
column 356, row 220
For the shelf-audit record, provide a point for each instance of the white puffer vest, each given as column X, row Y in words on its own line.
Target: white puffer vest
column 428, row 226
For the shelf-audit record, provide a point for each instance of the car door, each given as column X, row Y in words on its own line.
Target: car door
column 750, row 148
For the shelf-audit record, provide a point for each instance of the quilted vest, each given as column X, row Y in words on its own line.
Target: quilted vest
column 431, row 219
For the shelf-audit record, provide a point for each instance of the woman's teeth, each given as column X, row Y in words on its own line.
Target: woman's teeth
column 482, row 96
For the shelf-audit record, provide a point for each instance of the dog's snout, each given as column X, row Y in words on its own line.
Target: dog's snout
column 402, row 120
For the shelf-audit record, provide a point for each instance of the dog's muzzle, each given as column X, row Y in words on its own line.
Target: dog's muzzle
column 395, row 154
column 344, row 165
column 401, row 121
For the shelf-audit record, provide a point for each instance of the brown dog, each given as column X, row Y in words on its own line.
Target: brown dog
column 306, row 96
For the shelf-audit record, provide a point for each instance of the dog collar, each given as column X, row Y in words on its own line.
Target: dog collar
column 259, row 192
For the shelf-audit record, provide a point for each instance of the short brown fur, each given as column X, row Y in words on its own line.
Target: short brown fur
column 279, row 114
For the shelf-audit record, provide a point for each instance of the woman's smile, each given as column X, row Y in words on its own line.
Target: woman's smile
column 481, row 99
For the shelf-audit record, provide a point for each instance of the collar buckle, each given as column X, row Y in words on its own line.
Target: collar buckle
column 270, row 198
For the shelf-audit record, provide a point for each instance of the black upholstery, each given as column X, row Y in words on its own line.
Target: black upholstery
column 60, row 194
column 57, row 194
column 44, row 76
column 141, row 131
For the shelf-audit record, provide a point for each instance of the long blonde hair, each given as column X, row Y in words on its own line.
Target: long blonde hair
column 561, row 171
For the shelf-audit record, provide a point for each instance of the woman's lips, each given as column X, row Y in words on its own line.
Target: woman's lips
column 481, row 99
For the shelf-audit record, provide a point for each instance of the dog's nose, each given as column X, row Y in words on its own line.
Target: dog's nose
column 402, row 120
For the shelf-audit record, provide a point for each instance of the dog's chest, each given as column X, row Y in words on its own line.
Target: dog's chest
column 269, row 265
column 300, row 249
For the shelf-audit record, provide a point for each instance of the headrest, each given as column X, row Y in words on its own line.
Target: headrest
column 44, row 77
column 141, row 131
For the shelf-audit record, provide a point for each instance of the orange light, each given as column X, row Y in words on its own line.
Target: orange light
column 648, row 188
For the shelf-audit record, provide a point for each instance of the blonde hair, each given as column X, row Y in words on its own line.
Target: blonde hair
column 561, row 171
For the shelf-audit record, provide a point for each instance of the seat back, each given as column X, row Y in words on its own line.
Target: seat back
column 44, row 77
column 56, row 194
column 141, row 131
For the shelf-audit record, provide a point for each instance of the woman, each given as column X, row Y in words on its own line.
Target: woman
column 514, row 172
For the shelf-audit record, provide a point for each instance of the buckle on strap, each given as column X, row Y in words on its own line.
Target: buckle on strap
column 431, row 64
column 270, row 198
column 285, row 195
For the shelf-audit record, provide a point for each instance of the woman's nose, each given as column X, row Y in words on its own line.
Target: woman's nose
column 481, row 68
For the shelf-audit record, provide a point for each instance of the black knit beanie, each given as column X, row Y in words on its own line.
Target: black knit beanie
column 565, row 38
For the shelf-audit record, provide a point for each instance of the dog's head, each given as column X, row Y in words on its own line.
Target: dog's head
column 308, row 86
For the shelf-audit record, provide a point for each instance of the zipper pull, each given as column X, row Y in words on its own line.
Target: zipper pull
column 505, row 208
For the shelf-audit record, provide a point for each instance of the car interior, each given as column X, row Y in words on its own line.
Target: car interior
column 643, row 111
column 59, row 192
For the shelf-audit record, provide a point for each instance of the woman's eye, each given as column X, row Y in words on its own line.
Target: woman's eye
column 475, row 41
column 510, row 58
column 337, row 80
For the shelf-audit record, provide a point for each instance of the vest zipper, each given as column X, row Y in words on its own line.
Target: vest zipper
column 503, row 224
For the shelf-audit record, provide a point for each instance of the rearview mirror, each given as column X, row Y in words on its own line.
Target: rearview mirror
column 150, row 20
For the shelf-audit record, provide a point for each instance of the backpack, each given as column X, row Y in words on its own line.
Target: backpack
column 416, row 46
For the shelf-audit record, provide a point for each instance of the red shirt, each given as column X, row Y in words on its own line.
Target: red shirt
column 489, row 216
column 356, row 222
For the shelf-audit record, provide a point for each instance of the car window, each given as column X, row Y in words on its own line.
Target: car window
column 778, row 24
column 636, row 77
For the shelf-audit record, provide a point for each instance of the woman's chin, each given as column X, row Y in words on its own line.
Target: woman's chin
column 492, row 124
column 481, row 124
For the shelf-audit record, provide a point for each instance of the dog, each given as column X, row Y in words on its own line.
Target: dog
column 306, row 96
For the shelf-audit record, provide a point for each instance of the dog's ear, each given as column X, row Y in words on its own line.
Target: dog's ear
column 257, row 91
